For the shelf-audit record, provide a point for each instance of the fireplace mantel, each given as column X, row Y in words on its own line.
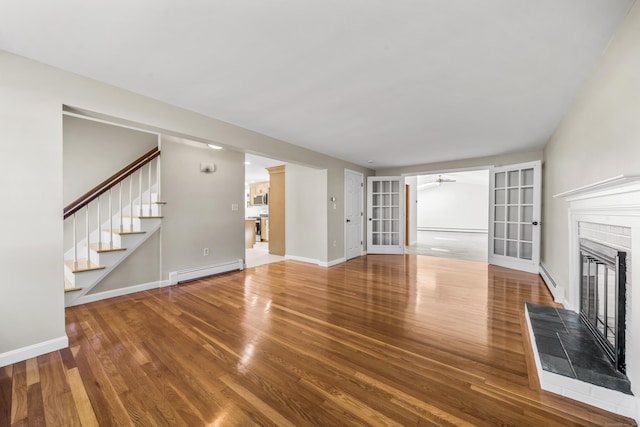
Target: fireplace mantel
column 605, row 208
column 620, row 184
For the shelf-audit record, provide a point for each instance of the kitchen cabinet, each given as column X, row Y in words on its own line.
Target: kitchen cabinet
column 249, row 233
column 264, row 229
column 276, row 210
column 256, row 189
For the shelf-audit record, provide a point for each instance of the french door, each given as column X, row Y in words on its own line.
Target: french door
column 514, row 217
column 354, row 193
column 385, row 230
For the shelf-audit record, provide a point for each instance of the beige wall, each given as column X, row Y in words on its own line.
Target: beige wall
column 94, row 151
column 32, row 96
column 598, row 138
column 198, row 212
column 477, row 162
column 306, row 230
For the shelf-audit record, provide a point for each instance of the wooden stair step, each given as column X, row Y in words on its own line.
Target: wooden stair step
column 105, row 247
column 68, row 286
column 125, row 231
column 81, row 265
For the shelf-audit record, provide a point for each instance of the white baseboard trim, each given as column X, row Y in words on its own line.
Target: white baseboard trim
column 455, row 230
column 188, row 274
column 332, row 262
column 556, row 290
column 302, row 259
column 34, row 350
column 119, row 292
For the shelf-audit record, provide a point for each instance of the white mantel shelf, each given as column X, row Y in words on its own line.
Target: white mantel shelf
column 616, row 185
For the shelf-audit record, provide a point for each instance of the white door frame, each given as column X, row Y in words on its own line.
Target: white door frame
column 346, row 205
column 398, row 248
column 533, row 265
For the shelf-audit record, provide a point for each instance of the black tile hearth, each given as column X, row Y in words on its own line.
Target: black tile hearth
column 565, row 347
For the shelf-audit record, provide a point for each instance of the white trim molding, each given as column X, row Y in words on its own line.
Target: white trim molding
column 34, row 350
column 120, row 291
column 556, row 290
column 194, row 273
column 334, row 262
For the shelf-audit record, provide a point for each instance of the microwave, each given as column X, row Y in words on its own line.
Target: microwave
column 261, row 199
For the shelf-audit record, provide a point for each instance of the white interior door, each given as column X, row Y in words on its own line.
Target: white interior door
column 514, row 217
column 354, row 194
column 385, row 215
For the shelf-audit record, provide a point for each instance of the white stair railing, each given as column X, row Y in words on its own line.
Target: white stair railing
column 91, row 203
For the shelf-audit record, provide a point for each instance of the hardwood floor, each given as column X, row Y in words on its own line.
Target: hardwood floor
column 379, row 340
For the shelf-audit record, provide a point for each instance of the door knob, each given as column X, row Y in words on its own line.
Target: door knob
column 348, row 220
column 534, row 223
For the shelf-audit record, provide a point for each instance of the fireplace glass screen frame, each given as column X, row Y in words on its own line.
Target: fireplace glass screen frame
column 603, row 297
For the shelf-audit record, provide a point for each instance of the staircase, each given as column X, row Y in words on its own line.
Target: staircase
column 94, row 255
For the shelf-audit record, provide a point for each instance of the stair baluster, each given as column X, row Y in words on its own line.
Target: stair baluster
column 75, row 241
column 158, row 196
column 87, row 231
column 99, row 222
column 140, row 191
column 120, row 207
column 110, row 219
column 150, row 203
column 131, row 202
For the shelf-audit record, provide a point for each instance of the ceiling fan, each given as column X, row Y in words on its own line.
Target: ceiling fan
column 438, row 181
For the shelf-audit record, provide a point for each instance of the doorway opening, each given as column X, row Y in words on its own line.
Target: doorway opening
column 448, row 214
column 257, row 210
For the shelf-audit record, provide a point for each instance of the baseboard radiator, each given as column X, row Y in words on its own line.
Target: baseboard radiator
column 189, row 274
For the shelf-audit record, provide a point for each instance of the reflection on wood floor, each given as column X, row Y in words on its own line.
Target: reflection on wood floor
column 379, row 340
column 451, row 244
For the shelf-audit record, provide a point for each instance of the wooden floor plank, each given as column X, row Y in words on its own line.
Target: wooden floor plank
column 378, row 340
column 19, row 393
column 6, row 383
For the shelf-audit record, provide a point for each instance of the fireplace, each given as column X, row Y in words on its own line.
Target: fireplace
column 603, row 235
column 603, row 297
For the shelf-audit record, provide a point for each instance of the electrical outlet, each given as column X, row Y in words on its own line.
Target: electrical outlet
column 334, row 243
column 205, row 252
column 234, row 206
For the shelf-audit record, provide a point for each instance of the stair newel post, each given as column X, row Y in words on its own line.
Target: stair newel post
column 75, row 242
column 131, row 202
column 140, row 192
column 87, row 231
column 120, row 206
column 158, row 165
column 110, row 218
column 99, row 223
column 150, row 190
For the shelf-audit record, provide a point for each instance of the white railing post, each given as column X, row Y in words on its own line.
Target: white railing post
column 75, row 242
column 88, row 241
column 150, row 202
column 131, row 202
column 158, row 176
column 121, row 206
column 99, row 223
column 110, row 218
column 140, row 192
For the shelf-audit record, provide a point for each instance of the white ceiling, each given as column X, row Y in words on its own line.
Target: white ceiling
column 256, row 170
column 398, row 82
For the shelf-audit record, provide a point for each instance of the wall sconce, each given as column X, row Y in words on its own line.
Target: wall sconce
column 207, row 167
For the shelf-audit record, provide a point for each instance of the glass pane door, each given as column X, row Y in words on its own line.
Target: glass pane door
column 384, row 215
column 515, row 216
